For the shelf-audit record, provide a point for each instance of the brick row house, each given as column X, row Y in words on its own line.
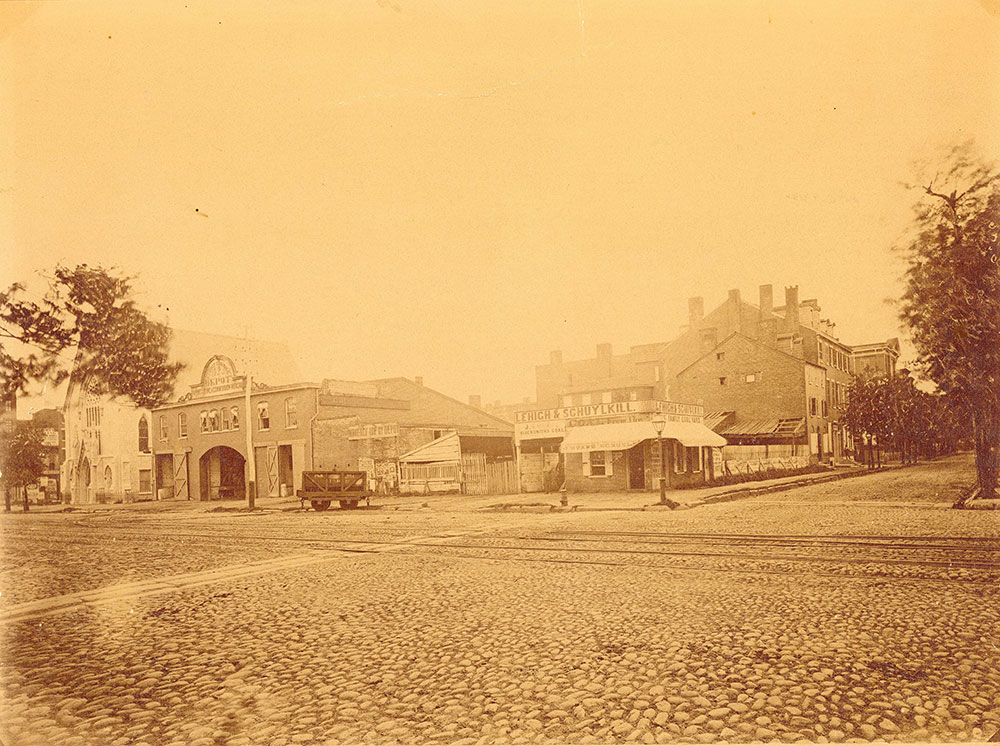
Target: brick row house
column 772, row 380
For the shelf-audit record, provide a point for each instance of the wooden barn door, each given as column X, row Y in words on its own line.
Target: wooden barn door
column 181, row 477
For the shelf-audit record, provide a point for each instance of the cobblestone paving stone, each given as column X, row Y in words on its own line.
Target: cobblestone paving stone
column 438, row 644
column 387, row 648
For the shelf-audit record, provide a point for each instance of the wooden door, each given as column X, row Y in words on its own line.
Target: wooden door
column 181, row 477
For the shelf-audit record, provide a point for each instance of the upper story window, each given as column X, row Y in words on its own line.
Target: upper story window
column 263, row 416
column 163, row 427
column 235, row 411
column 213, row 420
column 722, row 380
column 94, row 405
column 750, row 378
column 143, row 435
column 720, row 356
column 182, row 424
column 567, row 400
column 203, row 415
column 606, row 397
column 585, row 399
column 227, row 418
column 291, row 416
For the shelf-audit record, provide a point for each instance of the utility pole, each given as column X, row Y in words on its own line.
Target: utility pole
column 248, row 422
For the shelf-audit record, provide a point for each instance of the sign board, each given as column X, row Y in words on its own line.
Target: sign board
column 607, row 409
column 541, row 429
column 50, row 437
column 372, row 431
column 552, row 423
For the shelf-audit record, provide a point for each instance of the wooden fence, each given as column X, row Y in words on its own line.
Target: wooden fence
column 482, row 478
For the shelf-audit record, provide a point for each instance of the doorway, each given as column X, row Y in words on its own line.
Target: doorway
column 637, row 467
column 221, row 472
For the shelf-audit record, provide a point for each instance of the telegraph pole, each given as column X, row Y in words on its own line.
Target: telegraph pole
column 248, row 422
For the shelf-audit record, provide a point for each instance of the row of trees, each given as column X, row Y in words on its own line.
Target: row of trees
column 889, row 413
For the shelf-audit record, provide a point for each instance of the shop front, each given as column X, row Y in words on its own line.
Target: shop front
column 615, row 447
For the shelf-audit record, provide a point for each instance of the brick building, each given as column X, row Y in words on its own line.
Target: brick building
column 200, row 442
column 614, row 442
column 109, row 440
column 735, row 344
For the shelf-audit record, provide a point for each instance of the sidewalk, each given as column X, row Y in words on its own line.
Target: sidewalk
column 540, row 502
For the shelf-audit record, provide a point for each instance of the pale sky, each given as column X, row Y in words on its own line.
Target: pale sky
column 453, row 189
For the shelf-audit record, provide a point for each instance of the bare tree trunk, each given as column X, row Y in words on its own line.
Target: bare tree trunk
column 6, row 499
column 24, row 492
column 986, row 425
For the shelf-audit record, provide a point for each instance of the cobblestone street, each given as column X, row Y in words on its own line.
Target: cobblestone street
column 857, row 610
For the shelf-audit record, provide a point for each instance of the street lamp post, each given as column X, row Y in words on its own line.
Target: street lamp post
column 659, row 422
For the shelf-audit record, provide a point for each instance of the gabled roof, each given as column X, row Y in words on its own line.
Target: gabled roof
column 726, row 341
column 430, row 407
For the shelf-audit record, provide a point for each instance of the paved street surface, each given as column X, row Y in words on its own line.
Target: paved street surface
column 856, row 610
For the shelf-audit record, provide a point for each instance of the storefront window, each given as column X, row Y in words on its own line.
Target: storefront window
column 678, row 457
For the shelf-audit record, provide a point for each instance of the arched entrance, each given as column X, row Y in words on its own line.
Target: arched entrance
column 221, row 471
column 83, row 481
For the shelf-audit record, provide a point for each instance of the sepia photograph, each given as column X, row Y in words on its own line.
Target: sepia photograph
column 441, row 372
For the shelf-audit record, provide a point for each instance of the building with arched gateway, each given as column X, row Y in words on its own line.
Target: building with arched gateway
column 110, row 440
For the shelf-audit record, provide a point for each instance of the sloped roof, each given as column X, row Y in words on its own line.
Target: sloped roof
column 446, row 448
column 775, row 427
column 430, row 407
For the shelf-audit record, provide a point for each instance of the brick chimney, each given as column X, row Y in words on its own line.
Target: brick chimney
column 792, row 309
column 696, row 310
column 766, row 301
column 419, row 380
column 475, row 400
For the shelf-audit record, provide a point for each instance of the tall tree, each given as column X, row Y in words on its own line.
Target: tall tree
column 22, row 460
column 952, row 298
column 86, row 322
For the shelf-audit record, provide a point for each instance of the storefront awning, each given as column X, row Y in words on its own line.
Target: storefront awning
column 621, row 436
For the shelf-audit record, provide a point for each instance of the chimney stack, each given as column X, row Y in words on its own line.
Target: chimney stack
column 555, row 357
column 419, row 380
column 696, row 311
column 475, row 400
column 792, row 309
column 766, row 302
column 604, row 351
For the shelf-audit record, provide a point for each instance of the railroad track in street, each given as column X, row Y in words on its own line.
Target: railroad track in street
column 976, row 558
column 966, row 553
